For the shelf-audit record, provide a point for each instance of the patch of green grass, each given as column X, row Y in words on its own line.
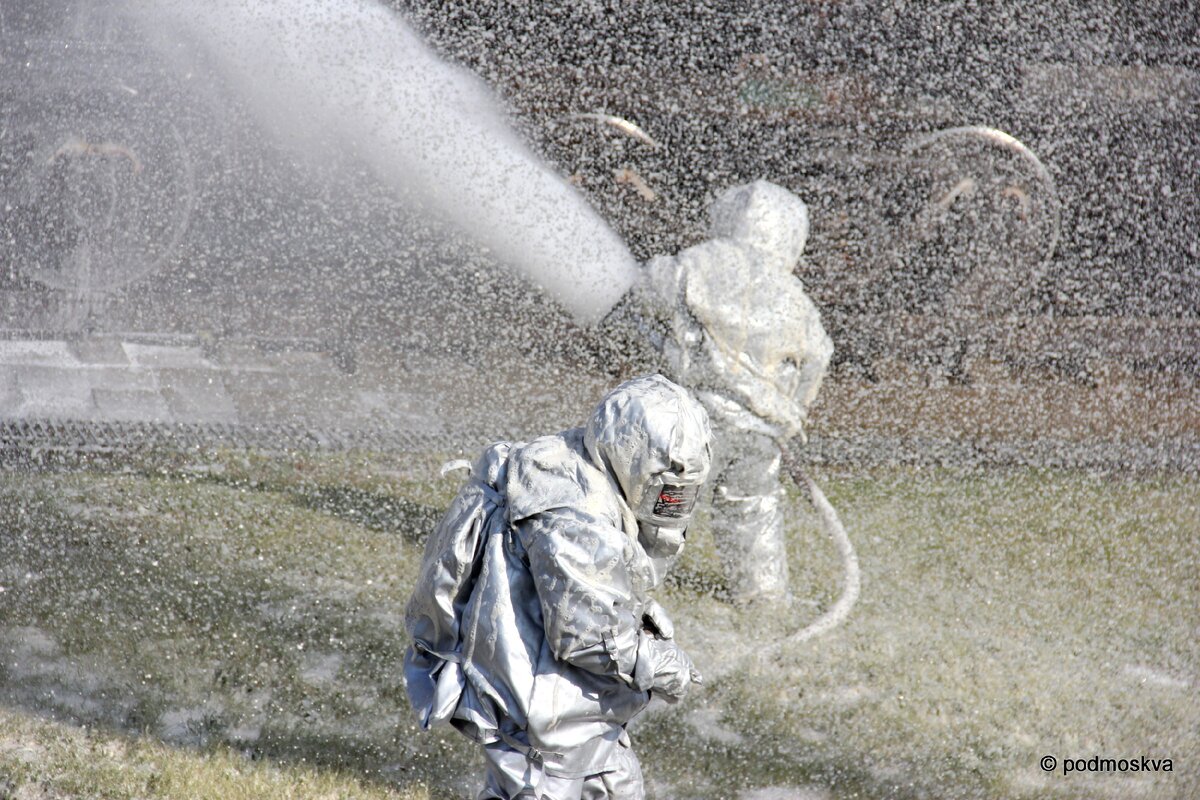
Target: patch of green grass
column 204, row 613
column 1004, row 616
column 250, row 610
column 40, row 758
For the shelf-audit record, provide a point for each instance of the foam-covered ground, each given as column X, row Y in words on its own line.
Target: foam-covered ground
column 249, row 609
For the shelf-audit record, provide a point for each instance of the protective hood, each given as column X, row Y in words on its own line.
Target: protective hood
column 648, row 430
column 764, row 216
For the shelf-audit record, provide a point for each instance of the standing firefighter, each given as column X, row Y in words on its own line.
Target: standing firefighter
column 532, row 626
column 734, row 325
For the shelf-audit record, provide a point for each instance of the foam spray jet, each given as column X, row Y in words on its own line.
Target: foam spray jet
column 350, row 74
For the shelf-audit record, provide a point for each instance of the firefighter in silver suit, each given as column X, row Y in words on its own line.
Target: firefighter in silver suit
column 734, row 324
column 534, row 631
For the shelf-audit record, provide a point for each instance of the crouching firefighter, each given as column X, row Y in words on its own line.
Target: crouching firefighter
column 533, row 631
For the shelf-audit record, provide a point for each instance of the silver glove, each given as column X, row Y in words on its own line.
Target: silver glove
column 655, row 620
column 664, row 668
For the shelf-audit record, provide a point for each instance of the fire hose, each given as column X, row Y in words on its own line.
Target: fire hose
column 832, row 525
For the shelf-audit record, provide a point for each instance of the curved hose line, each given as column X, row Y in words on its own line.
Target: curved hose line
column 1011, row 143
column 832, row 526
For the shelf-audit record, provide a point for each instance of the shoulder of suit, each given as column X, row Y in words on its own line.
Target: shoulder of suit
column 550, row 472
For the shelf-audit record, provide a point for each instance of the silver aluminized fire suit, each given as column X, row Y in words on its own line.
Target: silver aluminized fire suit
column 544, row 646
column 740, row 332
